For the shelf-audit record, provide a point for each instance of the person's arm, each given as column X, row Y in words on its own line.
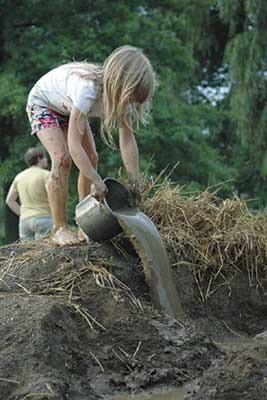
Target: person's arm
column 11, row 200
column 130, row 155
column 77, row 127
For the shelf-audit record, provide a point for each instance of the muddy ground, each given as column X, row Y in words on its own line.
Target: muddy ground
column 78, row 323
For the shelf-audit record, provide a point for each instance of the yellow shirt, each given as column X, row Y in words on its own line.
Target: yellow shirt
column 30, row 186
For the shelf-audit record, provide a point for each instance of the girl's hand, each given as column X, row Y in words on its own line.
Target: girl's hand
column 135, row 189
column 99, row 190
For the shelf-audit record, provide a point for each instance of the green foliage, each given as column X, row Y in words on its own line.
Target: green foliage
column 12, row 165
column 186, row 42
column 247, row 56
column 12, row 95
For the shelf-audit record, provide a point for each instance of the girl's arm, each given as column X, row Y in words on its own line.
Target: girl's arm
column 11, row 200
column 77, row 128
column 130, row 155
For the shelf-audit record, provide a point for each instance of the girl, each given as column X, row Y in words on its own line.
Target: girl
column 58, row 109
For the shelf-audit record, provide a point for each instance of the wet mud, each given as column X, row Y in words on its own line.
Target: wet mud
column 79, row 323
column 240, row 374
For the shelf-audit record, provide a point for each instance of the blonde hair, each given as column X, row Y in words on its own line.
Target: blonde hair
column 87, row 70
column 126, row 82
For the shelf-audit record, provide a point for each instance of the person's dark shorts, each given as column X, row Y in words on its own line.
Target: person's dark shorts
column 43, row 118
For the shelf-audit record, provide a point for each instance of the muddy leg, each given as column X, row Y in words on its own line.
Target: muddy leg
column 54, row 140
column 83, row 182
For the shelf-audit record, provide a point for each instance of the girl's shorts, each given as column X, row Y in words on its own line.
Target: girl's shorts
column 43, row 118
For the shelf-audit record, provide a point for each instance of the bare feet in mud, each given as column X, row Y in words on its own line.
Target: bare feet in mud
column 64, row 237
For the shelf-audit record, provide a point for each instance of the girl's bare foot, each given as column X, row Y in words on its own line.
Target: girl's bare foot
column 64, row 236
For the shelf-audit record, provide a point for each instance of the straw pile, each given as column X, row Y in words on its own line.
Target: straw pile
column 212, row 237
column 40, row 268
column 215, row 238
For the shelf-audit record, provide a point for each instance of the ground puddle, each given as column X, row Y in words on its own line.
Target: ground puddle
column 148, row 244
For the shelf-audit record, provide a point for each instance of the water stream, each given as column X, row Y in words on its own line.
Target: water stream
column 148, row 244
column 119, row 210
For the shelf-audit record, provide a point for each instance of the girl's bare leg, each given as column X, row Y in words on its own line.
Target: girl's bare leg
column 83, row 182
column 54, row 140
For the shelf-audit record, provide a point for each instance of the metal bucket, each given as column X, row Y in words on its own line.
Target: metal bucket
column 97, row 220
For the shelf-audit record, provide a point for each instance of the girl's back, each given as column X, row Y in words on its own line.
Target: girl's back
column 63, row 87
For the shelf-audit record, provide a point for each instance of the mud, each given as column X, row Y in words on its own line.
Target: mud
column 241, row 374
column 68, row 331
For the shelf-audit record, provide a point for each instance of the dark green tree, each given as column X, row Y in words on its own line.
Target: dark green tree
column 189, row 45
column 246, row 54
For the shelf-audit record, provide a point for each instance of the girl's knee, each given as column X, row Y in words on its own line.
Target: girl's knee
column 61, row 162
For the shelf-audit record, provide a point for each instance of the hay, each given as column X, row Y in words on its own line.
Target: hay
column 24, row 271
column 215, row 238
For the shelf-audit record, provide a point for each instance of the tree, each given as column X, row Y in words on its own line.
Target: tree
column 247, row 57
column 188, row 43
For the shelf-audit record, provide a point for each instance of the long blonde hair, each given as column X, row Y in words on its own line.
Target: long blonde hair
column 126, row 82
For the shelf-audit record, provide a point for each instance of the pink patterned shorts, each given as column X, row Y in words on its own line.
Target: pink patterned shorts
column 43, row 118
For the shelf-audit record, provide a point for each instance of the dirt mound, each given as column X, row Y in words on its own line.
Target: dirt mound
column 79, row 323
column 71, row 329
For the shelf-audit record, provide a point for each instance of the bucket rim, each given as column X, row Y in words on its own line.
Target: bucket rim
column 108, row 178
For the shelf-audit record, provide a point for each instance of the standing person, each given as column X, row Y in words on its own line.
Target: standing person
column 29, row 186
column 58, row 108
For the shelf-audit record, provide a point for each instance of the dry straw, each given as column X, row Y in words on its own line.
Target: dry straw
column 212, row 237
column 24, row 271
column 215, row 238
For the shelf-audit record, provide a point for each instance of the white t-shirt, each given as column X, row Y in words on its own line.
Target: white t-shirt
column 63, row 87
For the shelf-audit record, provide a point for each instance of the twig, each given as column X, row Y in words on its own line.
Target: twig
column 71, row 289
column 38, row 395
column 124, row 352
column 117, row 355
column 9, row 380
column 77, row 308
column 177, row 321
column 9, row 265
column 97, row 361
column 1, row 279
column 137, row 349
column 22, row 287
column 231, row 330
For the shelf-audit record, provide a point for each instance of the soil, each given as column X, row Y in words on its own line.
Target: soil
column 78, row 323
